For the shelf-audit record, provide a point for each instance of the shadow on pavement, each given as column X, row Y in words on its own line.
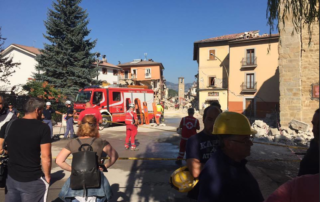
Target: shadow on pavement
column 57, row 176
column 149, row 180
column 117, row 194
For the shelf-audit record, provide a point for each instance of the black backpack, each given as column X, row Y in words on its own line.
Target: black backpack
column 85, row 171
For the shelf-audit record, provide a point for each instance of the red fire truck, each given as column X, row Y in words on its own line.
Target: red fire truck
column 113, row 102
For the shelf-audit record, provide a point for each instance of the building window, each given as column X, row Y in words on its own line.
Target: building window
column 148, row 73
column 250, row 56
column 250, row 81
column 116, row 96
column 134, row 74
column 104, row 71
column 126, row 74
column 212, row 81
column 212, row 54
column 115, row 72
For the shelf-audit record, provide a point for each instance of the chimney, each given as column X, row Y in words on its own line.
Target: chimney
column 150, row 60
column 119, row 62
column 104, row 58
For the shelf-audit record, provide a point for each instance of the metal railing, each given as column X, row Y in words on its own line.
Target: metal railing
column 249, row 87
column 250, row 62
column 122, row 77
column 148, row 75
column 133, row 76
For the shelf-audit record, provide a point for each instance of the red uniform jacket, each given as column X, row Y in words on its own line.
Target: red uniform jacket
column 131, row 116
column 189, row 126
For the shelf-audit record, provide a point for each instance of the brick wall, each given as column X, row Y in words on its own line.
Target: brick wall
column 298, row 69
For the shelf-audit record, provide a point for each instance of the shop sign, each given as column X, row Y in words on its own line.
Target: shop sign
column 213, row 93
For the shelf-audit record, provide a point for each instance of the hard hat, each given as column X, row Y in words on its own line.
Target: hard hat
column 232, row 123
column 48, row 103
column 68, row 102
column 131, row 105
column 182, row 180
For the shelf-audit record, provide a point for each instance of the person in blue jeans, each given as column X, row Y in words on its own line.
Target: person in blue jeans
column 69, row 118
column 47, row 115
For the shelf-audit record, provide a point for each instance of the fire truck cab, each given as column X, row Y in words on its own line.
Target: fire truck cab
column 113, row 102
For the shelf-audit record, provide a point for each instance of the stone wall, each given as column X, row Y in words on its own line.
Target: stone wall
column 298, row 69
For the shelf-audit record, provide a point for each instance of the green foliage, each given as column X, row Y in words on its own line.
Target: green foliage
column 44, row 91
column 7, row 66
column 66, row 61
column 172, row 93
column 304, row 12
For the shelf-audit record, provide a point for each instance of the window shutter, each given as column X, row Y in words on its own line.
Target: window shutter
column 211, row 57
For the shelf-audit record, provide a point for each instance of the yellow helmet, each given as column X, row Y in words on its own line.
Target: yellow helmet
column 182, row 180
column 232, row 123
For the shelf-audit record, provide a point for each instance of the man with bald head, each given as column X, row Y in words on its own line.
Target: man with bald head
column 201, row 145
column 5, row 114
column 90, row 111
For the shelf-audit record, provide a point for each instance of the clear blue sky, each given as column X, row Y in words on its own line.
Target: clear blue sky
column 126, row 29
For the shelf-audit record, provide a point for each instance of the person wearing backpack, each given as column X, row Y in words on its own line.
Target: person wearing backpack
column 87, row 182
column 189, row 126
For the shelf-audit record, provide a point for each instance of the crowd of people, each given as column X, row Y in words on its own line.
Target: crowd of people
column 216, row 156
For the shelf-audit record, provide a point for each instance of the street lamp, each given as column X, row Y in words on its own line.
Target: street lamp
column 97, row 61
column 227, row 79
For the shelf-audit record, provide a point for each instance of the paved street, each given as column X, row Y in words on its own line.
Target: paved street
column 133, row 180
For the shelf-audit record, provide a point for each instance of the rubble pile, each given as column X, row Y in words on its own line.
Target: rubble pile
column 297, row 133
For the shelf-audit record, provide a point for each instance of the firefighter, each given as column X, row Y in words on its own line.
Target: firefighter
column 225, row 176
column 189, row 126
column 131, row 127
column 159, row 113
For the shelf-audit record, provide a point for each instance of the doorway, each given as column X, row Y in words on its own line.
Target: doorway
column 249, row 107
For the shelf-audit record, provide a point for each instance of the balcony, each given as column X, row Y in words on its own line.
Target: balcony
column 250, row 63
column 148, row 75
column 249, row 87
column 123, row 77
column 133, row 76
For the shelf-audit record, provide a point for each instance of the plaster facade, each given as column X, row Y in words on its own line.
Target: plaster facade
column 254, row 83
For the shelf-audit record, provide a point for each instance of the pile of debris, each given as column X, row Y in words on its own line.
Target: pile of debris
column 297, row 133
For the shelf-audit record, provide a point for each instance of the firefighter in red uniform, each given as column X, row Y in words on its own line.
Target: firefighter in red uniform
column 189, row 126
column 132, row 127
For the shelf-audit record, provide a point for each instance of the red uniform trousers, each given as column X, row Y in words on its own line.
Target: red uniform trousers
column 132, row 131
column 183, row 144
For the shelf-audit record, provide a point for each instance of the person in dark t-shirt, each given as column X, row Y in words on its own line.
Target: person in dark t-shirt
column 200, row 146
column 47, row 115
column 13, row 110
column 29, row 145
column 69, row 117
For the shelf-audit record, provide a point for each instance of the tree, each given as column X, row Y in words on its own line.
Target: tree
column 67, row 61
column 304, row 12
column 172, row 93
column 43, row 90
column 7, row 66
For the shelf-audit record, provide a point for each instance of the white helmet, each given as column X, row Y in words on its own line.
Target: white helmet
column 68, row 102
column 131, row 105
column 48, row 103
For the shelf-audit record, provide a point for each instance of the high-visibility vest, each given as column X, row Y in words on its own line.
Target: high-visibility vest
column 129, row 118
column 159, row 108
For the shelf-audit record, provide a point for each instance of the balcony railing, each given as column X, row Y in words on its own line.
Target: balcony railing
column 249, row 87
column 123, row 77
column 248, row 63
column 133, row 76
column 148, row 75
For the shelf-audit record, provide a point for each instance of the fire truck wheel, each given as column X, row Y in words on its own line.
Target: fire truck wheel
column 106, row 121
